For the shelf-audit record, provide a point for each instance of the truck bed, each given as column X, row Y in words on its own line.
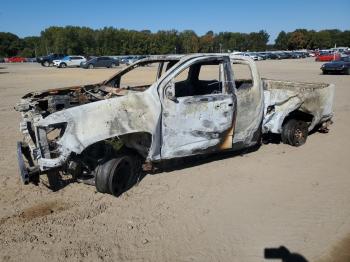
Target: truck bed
column 284, row 97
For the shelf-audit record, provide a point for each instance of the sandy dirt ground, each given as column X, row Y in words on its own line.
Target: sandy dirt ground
column 226, row 209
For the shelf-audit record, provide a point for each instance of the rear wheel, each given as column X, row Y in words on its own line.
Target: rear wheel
column 46, row 63
column 113, row 65
column 348, row 71
column 63, row 65
column 294, row 132
column 91, row 66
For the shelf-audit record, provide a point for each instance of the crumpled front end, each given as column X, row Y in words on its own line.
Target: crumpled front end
column 39, row 150
column 59, row 126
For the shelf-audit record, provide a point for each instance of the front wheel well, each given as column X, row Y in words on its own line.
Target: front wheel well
column 138, row 143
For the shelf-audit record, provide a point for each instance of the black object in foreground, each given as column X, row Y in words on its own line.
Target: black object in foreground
column 284, row 254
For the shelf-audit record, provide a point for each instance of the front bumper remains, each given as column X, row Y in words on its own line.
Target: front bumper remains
column 28, row 171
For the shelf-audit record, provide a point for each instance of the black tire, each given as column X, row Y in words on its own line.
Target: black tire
column 90, row 66
column 46, row 63
column 325, row 72
column 348, row 71
column 123, row 173
column 63, row 65
column 114, row 176
column 102, row 176
column 113, row 65
column 294, row 132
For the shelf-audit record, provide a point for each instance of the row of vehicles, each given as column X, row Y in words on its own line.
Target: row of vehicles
column 63, row 61
column 257, row 56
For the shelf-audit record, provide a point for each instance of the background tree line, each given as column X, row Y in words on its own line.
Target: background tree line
column 311, row 39
column 113, row 41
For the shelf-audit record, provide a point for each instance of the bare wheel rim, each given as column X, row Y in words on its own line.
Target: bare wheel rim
column 300, row 134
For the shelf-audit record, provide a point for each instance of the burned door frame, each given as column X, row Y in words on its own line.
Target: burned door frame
column 215, row 128
column 250, row 107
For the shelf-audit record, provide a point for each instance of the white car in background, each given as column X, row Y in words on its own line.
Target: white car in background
column 69, row 61
column 253, row 56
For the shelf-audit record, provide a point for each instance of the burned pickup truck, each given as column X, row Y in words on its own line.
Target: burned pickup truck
column 161, row 108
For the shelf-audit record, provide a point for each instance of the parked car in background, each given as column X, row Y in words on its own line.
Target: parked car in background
column 312, row 54
column 253, row 56
column 132, row 60
column 288, row 54
column 327, row 57
column 271, row 55
column 283, row 55
column 341, row 66
column 123, row 59
column 16, row 59
column 263, row 55
column 2, row 60
column 103, row 61
column 296, row 55
column 69, row 61
column 30, row 59
column 48, row 60
column 340, row 49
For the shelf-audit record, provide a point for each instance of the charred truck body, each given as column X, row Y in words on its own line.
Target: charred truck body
column 193, row 104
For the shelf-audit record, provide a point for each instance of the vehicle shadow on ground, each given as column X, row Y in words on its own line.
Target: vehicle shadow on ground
column 283, row 254
column 56, row 182
column 192, row 161
column 183, row 163
column 271, row 139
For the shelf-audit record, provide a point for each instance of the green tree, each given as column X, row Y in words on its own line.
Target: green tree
column 281, row 41
column 297, row 40
column 206, row 42
column 10, row 44
column 258, row 41
column 188, row 42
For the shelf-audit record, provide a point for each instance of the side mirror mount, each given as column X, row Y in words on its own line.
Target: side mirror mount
column 170, row 91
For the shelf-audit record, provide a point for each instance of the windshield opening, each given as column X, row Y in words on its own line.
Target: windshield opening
column 141, row 75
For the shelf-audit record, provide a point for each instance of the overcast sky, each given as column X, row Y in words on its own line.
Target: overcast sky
column 26, row 18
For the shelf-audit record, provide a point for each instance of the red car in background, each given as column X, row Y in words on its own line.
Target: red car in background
column 16, row 59
column 324, row 57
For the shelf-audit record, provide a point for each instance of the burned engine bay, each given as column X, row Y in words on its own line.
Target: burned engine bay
column 48, row 102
